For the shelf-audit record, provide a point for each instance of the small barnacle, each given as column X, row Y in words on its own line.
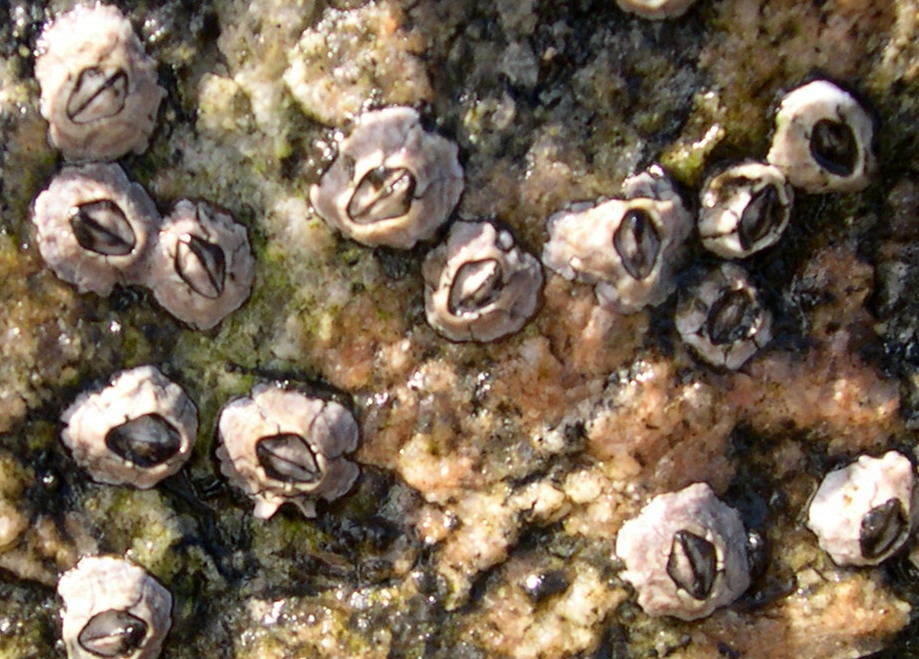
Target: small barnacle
column 479, row 285
column 685, row 554
column 202, row 267
column 93, row 227
column 655, row 9
column 629, row 249
column 722, row 318
column 281, row 446
column 744, row 209
column 113, row 608
column 864, row 512
column 823, row 139
column 393, row 183
column 98, row 87
column 135, row 431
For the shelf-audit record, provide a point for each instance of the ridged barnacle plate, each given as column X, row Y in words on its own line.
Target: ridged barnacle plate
column 281, row 445
column 392, row 183
column 113, row 608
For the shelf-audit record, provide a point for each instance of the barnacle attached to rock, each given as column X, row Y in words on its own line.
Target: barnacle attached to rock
column 823, row 139
column 202, row 267
column 722, row 318
column 280, row 445
column 93, row 227
column 656, row 9
column 393, row 183
column 479, row 285
column 744, row 208
column 685, row 554
column 98, row 87
column 629, row 249
column 113, row 608
column 864, row 513
column 136, row 431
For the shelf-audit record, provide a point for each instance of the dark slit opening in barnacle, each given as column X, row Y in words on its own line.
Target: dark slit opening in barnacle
column 732, row 317
column 113, row 634
column 476, row 285
column 288, row 458
column 692, row 564
column 97, row 94
column 762, row 214
column 637, row 243
column 383, row 194
column 881, row 528
column 201, row 265
column 834, row 147
column 101, row 227
column 146, row 441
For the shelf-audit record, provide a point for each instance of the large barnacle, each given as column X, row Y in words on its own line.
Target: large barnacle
column 629, row 249
column 864, row 512
column 93, row 227
column 136, row 431
column 822, row 139
column 744, row 208
column 202, row 268
column 722, row 318
column 479, row 285
column 113, row 608
column 393, row 183
column 685, row 554
column 98, row 87
column 279, row 446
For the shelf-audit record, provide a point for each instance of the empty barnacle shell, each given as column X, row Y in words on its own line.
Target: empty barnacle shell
column 722, row 318
column 655, row 9
column 864, row 513
column 393, row 183
column 98, row 87
column 93, row 227
column 479, row 285
column 744, row 208
column 202, row 267
column 629, row 249
column 280, row 445
column 113, row 608
column 685, row 554
column 136, row 431
column 823, row 139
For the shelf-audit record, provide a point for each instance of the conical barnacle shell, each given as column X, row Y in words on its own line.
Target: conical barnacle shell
column 279, row 446
column 113, row 608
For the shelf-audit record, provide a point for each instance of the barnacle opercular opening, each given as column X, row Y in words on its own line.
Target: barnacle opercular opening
column 638, row 243
column 763, row 213
column 476, row 285
column 102, row 227
column 732, row 317
column 287, row 457
column 201, row 264
column 834, row 147
column 98, row 94
column 146, row 441
column 692, row 564
column 384, row 193
column 881, row 528
column 113, row 633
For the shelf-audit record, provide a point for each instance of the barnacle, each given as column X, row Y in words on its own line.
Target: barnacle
column 823, row 139
column 629, row 249
column 722, row 318
column 280, row 445
column 655, row 8
column 744, row 209
column 98, row 87
column 864, row 512
column 113, row 608
column 93, row 227
column 479, row 285
column 393, row 183
column 137, row 430
column 685, row 554
column 202, row 267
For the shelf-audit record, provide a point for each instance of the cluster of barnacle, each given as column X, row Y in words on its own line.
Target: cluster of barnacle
column 94, row 228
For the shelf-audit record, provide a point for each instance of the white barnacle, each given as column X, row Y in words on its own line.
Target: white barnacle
column 279, row 445
column 823, row 139
column 93, row 227
column 685, row 554
column 628, row 249
column 863, row 513
column 479, row 285
column 745, row 208
column 137, row 430
column 393, row 183
column 202, row 268
column 722, row 318
column 113, row 608
column 655, row 9
column 98, row 87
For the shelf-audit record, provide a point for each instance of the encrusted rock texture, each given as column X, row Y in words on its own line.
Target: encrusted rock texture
column 494, row 476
